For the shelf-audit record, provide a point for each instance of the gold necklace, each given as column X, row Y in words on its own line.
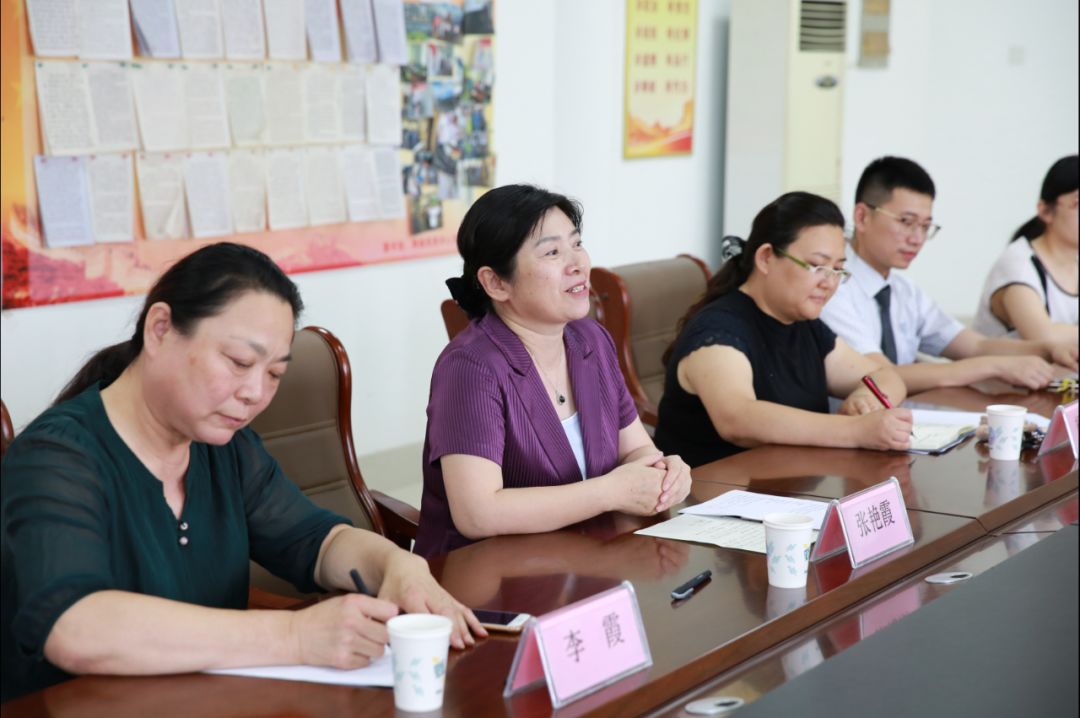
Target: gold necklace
column 560, row 397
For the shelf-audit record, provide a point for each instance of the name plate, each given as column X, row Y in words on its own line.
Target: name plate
column 870, row 524
column 581, row 648
column 1063, row 426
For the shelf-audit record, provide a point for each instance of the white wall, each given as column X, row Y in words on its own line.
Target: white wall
column 986, row 129
column 983, row 94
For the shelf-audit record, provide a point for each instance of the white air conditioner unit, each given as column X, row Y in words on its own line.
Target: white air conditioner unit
column 784, row 104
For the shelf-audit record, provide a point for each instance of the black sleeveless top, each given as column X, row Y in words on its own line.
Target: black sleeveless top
column 788, row 362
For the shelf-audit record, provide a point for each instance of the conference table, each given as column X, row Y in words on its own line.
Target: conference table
column 736, row 636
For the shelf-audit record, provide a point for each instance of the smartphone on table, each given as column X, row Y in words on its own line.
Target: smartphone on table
column 503, row 621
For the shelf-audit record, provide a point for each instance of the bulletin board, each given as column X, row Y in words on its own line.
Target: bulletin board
column 661, row 52
column 446, row 77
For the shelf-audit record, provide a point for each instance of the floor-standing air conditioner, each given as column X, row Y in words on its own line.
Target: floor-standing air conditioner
column 784, row 104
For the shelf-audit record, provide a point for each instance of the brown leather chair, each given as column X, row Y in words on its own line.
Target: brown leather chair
column 454, row 317
column 308, row 429
column 640, row 304
column 7, row 431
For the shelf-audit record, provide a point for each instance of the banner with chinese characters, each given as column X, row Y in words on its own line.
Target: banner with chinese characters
column 661, row 42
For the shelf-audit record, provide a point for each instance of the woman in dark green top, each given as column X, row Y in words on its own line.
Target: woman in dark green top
column 132, row 506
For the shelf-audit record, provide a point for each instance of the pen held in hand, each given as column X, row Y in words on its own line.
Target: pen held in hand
column 877, row 392
column 359, row 583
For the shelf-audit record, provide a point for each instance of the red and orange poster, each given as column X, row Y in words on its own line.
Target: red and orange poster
column 661, row 42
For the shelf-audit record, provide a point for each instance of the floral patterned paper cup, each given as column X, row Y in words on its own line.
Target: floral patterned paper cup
column 419, row 643
column 1006, row 423
column 787, row 548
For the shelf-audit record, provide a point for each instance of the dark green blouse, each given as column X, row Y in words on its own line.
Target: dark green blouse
column 80, row 513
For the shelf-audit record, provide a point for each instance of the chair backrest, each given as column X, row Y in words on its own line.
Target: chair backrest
column 640, row 306
column 308, row 429
column 454, row 317
column 7, row 430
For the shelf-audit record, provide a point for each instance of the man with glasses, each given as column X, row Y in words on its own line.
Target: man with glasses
column 886, row 316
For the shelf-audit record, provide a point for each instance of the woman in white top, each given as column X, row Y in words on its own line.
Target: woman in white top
column 1031, row 292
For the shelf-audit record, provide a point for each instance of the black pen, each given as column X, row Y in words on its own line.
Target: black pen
column 690, row 586
column 359, row 582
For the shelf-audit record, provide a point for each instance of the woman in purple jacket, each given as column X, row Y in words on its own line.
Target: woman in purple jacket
column 529, row 401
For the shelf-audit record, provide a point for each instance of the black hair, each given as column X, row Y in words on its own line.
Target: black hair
column 1063, row 178
column 778, row 224
column 886, row 174
column 198, row 286
column 493, row 231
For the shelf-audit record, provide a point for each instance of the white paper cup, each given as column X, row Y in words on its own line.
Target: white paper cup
column 787, row 548
column 1006, row 430
column 419, row 643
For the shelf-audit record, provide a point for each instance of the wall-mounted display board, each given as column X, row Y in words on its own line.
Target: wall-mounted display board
column 326, row 133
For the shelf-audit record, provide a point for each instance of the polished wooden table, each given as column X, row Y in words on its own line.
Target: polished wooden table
column 728, row 627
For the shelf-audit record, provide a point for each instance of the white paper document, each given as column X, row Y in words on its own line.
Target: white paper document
column 247, row 188
column 242, row 21
column 159, row 105
column 383, row 105
column 322, row 179
column 63, row 93
column 200, row 29
column 323, row 123
column 104, row 30
column 351, row 104
column 361, row 189
column 54, row 27
column 114, row 110
column 112, row 197
column 285, row 38
column 390, row 30
column 155, row 28
column 284, row 102
column 206, row 182
column 379, row 674
column 64, row 199
column 161, row 196
column 359, row 23
column 388, row 182
column 754, row 506
column 246, row 105
column 716, row 530
column 204, row 101
column 320, row 17
column 966, row 418
column 285, row 196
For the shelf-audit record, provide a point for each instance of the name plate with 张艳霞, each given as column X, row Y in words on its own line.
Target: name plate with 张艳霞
column 870, row 524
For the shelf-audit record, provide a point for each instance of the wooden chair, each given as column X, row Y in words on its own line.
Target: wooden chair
column 308, row 429
column 640, row 304
column 454, row 317
column 7, row 431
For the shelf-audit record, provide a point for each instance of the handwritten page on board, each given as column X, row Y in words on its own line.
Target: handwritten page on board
column 105, row 31
column 246, row 105
column 64, row 107
column 285, row 39
column 326, row 196
column 242, row 22
column 114, row 110
column 361, row 190
column 155, row 28
column 351, row 104
column 285, row 196
column 320, row 17
column 64, row 198
column 390, row 30
column 383, row 105
column 54, row 27
column 284, row 101
column 323, row 122
column 159, row 105
column 200, row 29
column 247, row 188
column 204, row 101
column 388, row 182
column 359, row 22
column 206, row 183
column 161, row 196
column 112, row 197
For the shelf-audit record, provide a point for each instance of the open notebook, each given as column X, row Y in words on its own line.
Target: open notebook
column 938, row 438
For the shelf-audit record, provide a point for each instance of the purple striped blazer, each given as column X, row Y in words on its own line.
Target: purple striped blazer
column 487, row 400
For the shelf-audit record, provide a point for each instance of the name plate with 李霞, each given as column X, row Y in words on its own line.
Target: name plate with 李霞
column 581, row 648
column 1064, row 424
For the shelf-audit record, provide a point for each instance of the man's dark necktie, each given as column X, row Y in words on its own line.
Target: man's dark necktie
column 888, row 341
